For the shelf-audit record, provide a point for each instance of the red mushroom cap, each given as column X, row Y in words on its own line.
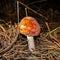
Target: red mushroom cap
column 29, row 26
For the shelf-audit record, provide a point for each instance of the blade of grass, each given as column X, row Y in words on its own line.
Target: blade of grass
column 4, row 22
column 52, row 31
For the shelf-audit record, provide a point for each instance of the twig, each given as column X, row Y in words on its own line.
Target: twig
column 51, row 48
column 26, row 12
column 2, row 28
column 57, row 42
column 10, row 56
column 6, row 36
column 50, row 57
column 18, row 11
column 52, row 31
column 33, row 10
column 14, row 40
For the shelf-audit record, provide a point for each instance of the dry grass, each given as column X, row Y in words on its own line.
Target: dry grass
column 14, row 46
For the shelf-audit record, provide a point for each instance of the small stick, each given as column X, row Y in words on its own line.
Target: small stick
column 7, row 49
column 18, row 11
column 57, row 42
column 26, row 12
column 33, row 11
column 2, row 28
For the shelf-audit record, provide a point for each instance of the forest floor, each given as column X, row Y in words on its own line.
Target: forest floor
column 14, row 46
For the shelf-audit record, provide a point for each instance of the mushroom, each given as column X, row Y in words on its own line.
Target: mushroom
column 29, row 27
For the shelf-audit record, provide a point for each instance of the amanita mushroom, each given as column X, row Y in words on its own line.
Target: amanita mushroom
column 29, row 27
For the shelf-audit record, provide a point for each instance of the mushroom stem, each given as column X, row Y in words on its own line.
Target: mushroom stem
column 31, row 44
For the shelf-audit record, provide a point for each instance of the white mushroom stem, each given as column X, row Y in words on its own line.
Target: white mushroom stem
column 31, row 44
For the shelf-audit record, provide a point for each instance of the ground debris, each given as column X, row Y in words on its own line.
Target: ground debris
column 14, row 46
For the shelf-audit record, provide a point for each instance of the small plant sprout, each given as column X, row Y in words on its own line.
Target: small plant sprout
column 29, row 27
